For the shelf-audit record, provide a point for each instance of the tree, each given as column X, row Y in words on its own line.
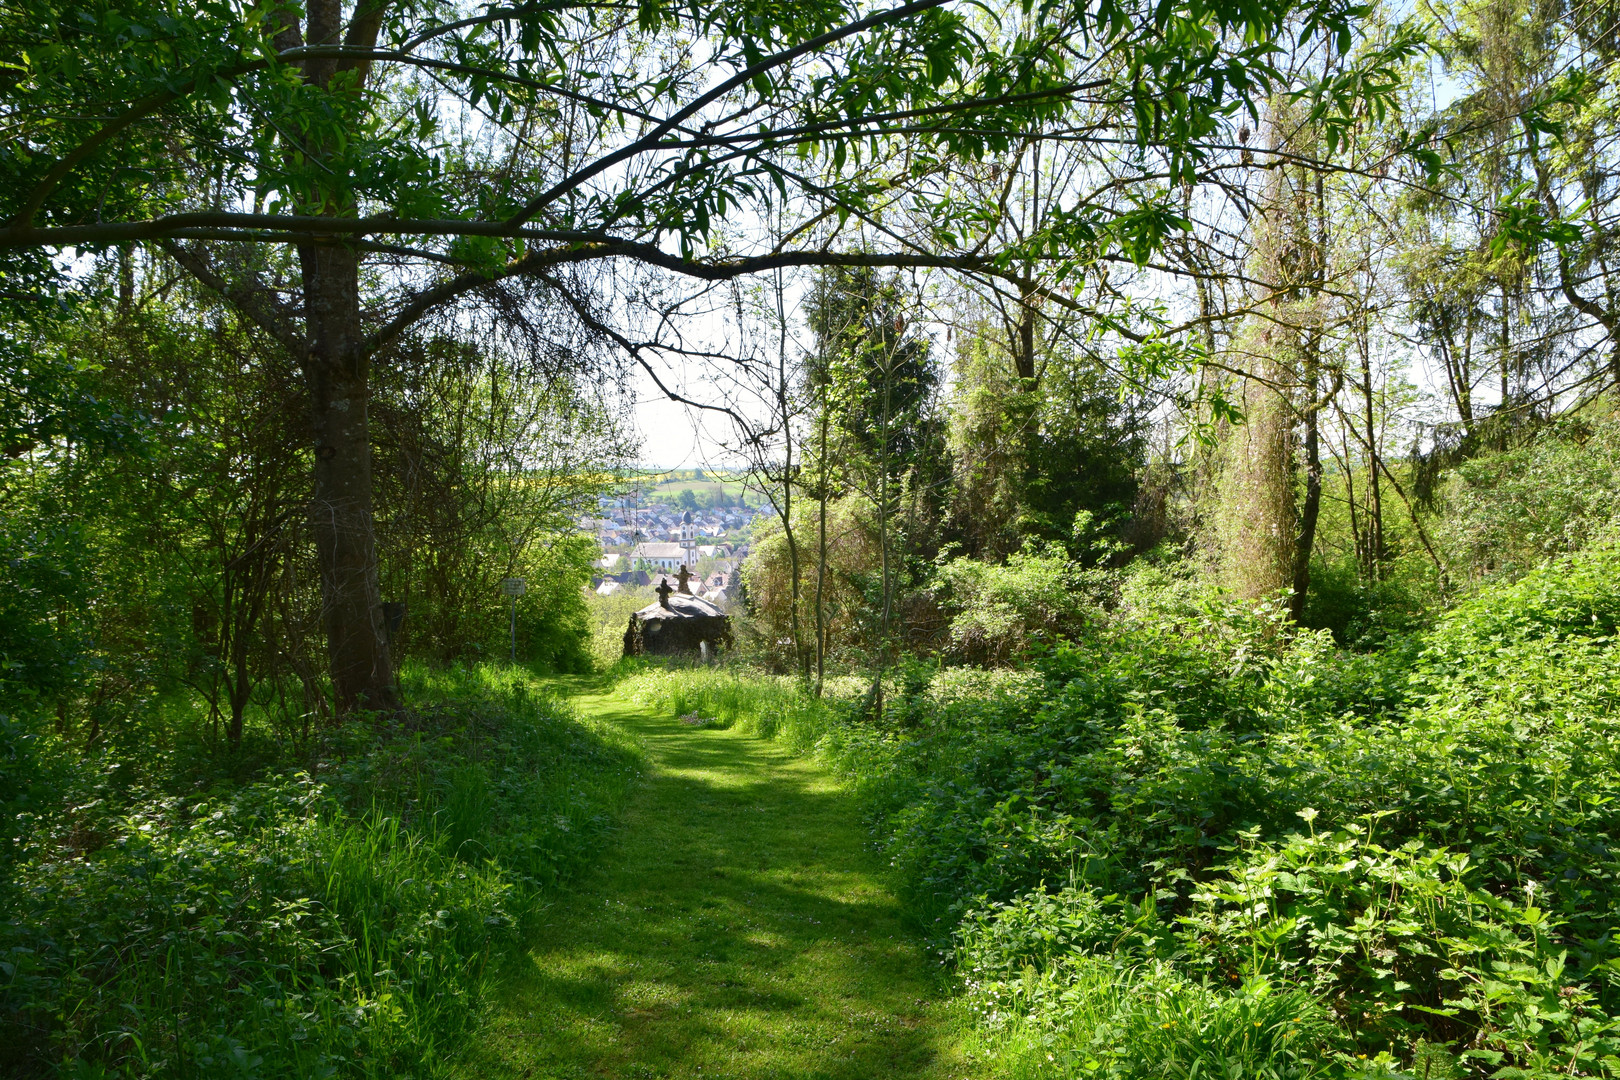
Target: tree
column 483, row 469
column 338, row 174
column 766, row 412
column 1026, row 458
column 877, row 384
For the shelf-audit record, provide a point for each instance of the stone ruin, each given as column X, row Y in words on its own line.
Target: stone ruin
column 680, row 624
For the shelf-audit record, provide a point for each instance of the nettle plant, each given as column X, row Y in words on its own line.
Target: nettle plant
column 1403, row 944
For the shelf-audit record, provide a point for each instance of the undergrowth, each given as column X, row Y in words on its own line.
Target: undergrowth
column 1197, row 841
column 331, row 916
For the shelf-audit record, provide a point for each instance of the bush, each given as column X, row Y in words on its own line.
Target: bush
column 1361, row 614
column 1002, row 612
column 1507, row 513
column 253, row 936
column 1097, row 1019
column 1416, row 839
column 333, row 923
column 609, row 616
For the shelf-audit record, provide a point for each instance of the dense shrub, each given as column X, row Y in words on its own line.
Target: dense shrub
column 1001, row 612
column 1506, row 512
column 332, row 922
column 1410, row 848
column 1362, row 614
column 1093, row 1018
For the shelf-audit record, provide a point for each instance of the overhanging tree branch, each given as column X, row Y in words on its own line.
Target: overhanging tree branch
column 742, row 78
column 254, row 302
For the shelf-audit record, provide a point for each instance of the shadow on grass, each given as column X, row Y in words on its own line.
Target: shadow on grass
column 737, row 929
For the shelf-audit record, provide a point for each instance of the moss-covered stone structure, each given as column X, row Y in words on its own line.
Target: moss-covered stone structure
column 680, row 624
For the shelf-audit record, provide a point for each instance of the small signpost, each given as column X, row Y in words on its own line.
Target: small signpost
column 514, row 587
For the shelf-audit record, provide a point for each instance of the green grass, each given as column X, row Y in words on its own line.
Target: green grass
column 330, row 922
column 670, row 486
column 1150, row 1022
column 738, row 928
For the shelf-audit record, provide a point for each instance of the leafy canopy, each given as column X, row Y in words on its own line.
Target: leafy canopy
column 514, row 137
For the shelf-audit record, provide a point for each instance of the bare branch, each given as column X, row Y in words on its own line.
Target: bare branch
column 252, row 300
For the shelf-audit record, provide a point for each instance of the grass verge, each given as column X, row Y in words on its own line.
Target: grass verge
column 333, row 919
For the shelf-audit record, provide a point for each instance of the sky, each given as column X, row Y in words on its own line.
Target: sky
column 670, row 437
column 677, row 436
column 673, row 435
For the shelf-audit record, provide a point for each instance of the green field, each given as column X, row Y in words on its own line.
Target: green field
column 666, row 486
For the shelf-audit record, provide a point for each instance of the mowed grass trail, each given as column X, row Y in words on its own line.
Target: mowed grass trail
column 736, row 928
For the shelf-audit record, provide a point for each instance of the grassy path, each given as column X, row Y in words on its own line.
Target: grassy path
column 737, row 929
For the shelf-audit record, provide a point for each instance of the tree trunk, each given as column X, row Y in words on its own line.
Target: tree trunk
column 1258, row 522
column 1359, row 539
column 1024, row 342
column 821, row 558
column 1312, row 506
column 241, row 687
column 1311, row 509
column 883, row 538
column 1375, row 508
column 336, row 375
column 801, row 655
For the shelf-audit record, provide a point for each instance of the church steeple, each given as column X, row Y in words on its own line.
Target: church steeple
column 688, row 539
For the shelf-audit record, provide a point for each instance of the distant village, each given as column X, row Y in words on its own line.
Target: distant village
column 646, row 537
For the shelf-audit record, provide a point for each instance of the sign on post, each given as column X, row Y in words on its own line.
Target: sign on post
column 514, row 587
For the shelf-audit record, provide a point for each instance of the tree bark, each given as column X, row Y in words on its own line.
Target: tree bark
column 1311, row 509
column 823, row 422
column 1259, row 523
column 1024, row 343
column 1375, row 508
column 336, row 371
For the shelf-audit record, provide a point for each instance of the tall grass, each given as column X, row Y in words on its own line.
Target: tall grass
column 771, row 706
column 1152, row 1023
column 329, row 921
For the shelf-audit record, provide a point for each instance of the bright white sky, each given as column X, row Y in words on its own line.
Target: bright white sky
column 671, row 438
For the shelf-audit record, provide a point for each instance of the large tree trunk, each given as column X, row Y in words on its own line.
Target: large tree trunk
column 1258, row 520
column 1311, row 510
column 336, row 373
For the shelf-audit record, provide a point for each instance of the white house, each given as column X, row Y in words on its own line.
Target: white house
column 661, row 556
